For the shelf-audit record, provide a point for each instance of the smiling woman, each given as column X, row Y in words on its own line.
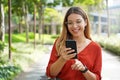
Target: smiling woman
column 61, row 63
column 76, row 24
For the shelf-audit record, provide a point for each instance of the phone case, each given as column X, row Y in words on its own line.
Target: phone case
column 72, row 44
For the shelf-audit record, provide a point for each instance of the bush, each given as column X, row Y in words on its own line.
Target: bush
column 111, row 44
column 8, row 72
column 2, row 46
column 112, row 48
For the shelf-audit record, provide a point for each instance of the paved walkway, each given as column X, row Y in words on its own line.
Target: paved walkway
column 111, row 66
column 37, row 70
column 110, row 70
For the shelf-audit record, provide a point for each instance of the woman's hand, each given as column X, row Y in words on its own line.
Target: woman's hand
column 65, row 53
column 78, row 65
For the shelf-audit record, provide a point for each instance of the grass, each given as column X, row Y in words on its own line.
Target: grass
column 44, row 38
column 112, row 43
column 48, row 39
column 24, row 54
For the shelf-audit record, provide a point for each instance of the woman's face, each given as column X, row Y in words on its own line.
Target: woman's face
column 76, row 25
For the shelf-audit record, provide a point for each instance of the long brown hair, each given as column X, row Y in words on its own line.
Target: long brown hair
column 65, row 34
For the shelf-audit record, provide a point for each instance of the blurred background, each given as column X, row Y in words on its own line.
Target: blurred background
column 27, row 25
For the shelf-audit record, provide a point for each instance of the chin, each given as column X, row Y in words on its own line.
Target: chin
column 76, row 36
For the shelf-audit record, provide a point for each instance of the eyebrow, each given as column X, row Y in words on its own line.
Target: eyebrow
column 79, row 19
column 76, row 19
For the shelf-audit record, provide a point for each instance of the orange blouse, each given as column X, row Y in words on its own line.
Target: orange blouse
column 91, row 56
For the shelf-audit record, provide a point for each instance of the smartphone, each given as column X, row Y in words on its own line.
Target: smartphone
column 72, row 44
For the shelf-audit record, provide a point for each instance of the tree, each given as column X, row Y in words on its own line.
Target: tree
column 41, row 4
column 108, row 25
column 9, row 24
column 20, row 9
column 2, row 26
column 34, row 26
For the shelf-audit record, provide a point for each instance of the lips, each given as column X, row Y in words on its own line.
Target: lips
column 75, row 30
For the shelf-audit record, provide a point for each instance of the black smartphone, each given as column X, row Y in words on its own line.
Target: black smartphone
column 72, row 44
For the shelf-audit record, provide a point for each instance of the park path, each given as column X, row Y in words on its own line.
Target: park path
column 110, row 68
column 37, row 70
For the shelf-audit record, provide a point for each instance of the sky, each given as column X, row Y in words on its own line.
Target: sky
column 113, row 3
column 110, row 2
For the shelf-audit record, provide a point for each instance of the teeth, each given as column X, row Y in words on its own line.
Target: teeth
column 75, row 30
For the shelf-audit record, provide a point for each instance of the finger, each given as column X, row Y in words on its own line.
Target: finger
column 70, row 56
column 72, row 66
column 70, row 51
column 78, row 65
column 75, row 67
column 67, row 49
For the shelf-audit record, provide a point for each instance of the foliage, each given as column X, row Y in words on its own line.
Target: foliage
column 111, row 44
column 52, row 15
column 2, row 46
column 114, row 28
column 8, row 72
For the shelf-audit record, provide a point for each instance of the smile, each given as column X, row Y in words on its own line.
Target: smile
column 75, row 30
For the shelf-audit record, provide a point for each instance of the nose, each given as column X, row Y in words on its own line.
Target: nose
column 75, row 25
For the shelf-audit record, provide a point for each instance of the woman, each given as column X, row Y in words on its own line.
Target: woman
column 88, row 64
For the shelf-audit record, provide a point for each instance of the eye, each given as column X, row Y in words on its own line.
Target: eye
column 78, row 22
column 69, row 23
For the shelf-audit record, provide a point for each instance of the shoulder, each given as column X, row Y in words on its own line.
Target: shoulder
column 95, row 48
column 95, row 45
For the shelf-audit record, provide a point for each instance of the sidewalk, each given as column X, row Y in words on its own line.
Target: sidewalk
column 110, row 68
column 36, row 71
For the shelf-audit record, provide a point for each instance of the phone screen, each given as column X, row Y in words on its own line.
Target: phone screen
column 72, row 44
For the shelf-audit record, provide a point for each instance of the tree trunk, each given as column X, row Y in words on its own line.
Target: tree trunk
column 53, row 27
column 2, row 25
column 20, row 24
column 27, row 25
column 0, row 21
column 99, row 23
column 34, row 26
column 40, row 24
column 9, row 24
column 108, row 25
column 25, row 12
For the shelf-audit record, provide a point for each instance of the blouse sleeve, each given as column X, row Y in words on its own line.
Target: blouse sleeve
column 98, row 63
column 53, row 58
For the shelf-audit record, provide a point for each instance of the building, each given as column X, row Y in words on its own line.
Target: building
column 114, row 19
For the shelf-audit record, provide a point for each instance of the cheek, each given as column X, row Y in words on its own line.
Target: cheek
column 83, row 26
column 69, row 28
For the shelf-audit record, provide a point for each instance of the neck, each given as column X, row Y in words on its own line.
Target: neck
column 80, row 39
